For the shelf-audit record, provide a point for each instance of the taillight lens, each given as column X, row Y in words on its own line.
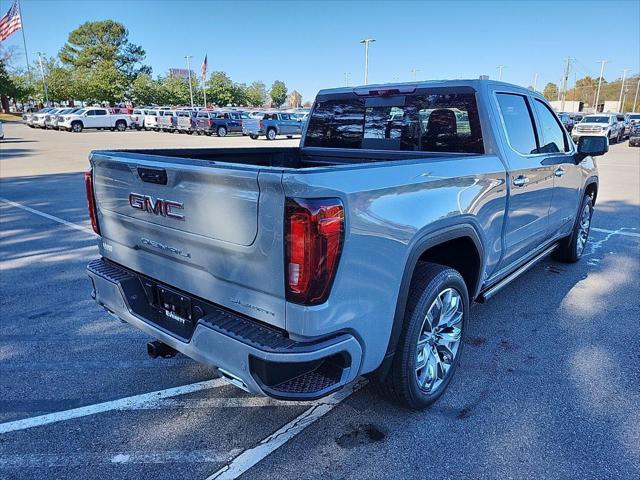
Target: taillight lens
column 91, row 202
column 314, row 236
column 260, row 125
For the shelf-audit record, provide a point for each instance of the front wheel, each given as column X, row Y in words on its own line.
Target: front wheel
column 572, row 247
column 430, row 343
column 76, row 127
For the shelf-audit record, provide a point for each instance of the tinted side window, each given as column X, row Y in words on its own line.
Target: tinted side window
column 518, row 122
column 552, row 138
column 101, row 112
column 91, row 113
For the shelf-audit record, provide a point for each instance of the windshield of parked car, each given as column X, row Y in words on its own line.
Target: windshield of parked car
column 595, row 120
column 620, row 118
column 635, row 116
column 80, row 112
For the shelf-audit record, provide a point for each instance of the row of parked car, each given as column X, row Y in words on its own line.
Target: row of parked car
column 616, row 126
column 220, row 122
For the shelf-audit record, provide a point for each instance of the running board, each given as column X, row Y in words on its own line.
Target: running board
column 491, row 291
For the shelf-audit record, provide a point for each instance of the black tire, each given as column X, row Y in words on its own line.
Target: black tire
column 253, row 136
column 221, row 131
column 401, row 383
column 271, row 134
column 121, row 125
column 571, row 248
column 77, row 127
column 289, row 136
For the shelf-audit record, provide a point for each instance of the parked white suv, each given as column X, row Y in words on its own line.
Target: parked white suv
column 94, row 117
column 603, row 124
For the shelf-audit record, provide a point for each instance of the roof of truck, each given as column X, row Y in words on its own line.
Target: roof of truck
column 474, row 83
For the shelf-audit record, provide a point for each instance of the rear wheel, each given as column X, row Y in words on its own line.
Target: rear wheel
column 572, row 247
column 121, row 125
column 430, row 343
column 271, row 134
column 221, row 132
column 253, row 136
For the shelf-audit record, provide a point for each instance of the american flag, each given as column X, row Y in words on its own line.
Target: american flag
column 204, row 67
column 11, row 22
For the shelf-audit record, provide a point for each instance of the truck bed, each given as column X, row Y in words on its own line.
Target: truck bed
column 293, row 158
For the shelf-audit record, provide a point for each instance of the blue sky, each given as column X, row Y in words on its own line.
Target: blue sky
column 310, row 45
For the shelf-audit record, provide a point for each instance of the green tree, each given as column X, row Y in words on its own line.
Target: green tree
column 145, row 90
column 278, row 93
column 256, row 94
column 550, row 91
column 7, row 86
column 175, row 90
column 220, row 89
column 102, row 61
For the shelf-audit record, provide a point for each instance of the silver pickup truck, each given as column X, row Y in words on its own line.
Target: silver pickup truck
column 295, row 270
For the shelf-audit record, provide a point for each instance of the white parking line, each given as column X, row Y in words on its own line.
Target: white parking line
column 620, row 231
column 127, row 403
column 252, row 456
column 50, row 217
column 79, row 459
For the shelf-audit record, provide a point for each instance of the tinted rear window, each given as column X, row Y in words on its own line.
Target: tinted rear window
column 428, row 121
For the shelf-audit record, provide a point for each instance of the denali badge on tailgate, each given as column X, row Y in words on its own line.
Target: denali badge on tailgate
column 157, row 207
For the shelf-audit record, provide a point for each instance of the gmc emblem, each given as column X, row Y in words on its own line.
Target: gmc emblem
column 161, row 207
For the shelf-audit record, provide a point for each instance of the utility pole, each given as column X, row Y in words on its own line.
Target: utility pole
column 535, row 82
column 595, row 104
column 189, row 71
column 565, row 82
column 414, row 71
column 635, row 99
column 500, row 67
column 44, row 80
column 347, row 77
column 366, row 42
column 624, row 76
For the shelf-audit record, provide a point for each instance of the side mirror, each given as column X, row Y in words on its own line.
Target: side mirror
column 592, row 146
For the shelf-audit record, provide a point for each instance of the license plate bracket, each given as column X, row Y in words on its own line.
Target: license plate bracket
column 175, row 305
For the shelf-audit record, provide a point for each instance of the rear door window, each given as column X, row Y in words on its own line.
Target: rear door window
column 518, row 122
column 552, row 137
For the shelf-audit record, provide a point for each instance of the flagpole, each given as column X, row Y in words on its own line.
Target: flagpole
column 204, row 91
column 24, row 42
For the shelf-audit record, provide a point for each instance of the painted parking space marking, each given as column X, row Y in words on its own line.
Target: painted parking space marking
column 620, row 231
column 252, row 456
column 49, row 217
column 127, row 403
column 79, row 459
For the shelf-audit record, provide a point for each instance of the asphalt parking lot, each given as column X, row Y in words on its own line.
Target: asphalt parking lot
column 548, row 386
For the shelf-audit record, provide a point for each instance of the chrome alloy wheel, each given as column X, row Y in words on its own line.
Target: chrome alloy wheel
column 583, row 231
column 439, row 340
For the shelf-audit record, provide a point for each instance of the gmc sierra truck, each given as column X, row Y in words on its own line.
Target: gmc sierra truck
column 295, row 270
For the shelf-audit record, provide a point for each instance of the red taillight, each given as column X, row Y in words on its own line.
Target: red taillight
column 88, row 183
column 260, row 125
column 314, row 234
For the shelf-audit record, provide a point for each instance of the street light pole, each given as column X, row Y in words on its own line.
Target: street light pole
column 366, row 42
column 189, row 71
column 44, row 81
column 635, row 99
column 624, row 76
column 535, row 82
column 500, row 67
column 347, row 76
column 595, row 104
column 414, row 71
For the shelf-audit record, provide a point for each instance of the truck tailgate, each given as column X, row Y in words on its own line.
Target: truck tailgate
column 214, row 231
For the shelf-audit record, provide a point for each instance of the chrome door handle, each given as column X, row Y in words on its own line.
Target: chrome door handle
column 520, row 181
column 559, row 172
